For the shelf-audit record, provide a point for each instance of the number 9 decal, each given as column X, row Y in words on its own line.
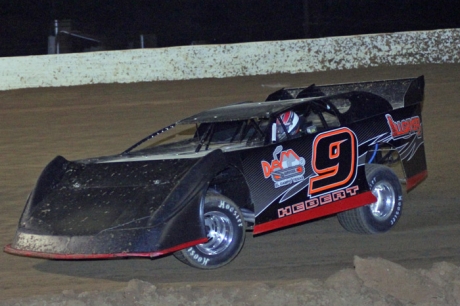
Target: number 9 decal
column 334, row 161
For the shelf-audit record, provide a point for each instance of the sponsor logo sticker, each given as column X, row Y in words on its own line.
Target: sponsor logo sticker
column 404, row 127
column 285, row 168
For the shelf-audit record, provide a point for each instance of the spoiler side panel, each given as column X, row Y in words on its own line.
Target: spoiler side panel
column 406, row 133
column 399, row 92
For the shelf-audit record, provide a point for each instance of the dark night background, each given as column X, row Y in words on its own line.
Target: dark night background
column 26, row 24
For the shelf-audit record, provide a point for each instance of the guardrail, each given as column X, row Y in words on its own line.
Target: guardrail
column 220, row 61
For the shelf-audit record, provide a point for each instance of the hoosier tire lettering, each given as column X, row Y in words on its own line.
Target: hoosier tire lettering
column 234, row 211
column 199, row 259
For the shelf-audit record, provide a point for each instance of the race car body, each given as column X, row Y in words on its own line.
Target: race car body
column 302, row 154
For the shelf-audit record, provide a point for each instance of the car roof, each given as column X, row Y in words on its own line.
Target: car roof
column 243, row 111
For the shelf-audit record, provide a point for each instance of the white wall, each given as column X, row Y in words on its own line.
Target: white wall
column 219, row 61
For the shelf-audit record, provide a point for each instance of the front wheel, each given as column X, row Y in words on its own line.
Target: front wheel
column 382, row 215
column 225, row 229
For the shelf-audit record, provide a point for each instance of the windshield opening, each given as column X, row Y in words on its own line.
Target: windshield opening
column 205, row 136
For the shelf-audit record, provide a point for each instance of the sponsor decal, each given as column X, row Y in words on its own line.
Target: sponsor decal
column 404, row 127
column 285, row 168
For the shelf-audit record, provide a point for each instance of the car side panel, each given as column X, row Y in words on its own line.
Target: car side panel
column 330, row 164
column 328, row 175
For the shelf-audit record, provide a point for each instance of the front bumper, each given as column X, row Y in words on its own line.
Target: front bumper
column 102, row 246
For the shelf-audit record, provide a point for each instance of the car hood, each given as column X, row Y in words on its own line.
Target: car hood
column 89, row 196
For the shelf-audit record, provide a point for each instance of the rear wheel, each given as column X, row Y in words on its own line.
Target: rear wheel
column 382, row 215
column 225, row 229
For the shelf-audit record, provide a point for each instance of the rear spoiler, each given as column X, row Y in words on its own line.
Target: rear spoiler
column 399, row 92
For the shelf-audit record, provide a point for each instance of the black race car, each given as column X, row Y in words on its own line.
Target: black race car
column 302, row 154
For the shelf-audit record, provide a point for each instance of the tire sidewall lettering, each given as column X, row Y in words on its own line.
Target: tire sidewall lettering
column 200, row 259
column 233, row 212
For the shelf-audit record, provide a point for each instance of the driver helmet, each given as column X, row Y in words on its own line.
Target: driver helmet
column 290, row 120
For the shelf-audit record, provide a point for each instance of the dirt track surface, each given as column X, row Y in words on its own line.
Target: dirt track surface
column 78, row 122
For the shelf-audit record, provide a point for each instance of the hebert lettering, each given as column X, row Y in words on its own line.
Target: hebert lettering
column 352, row 190
column 339, row 195
column 311, row 203
column 298, row 207
column 325, row 199
column 315, row 202
column 283, row 212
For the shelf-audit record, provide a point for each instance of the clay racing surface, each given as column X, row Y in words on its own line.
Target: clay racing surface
column 312, row 263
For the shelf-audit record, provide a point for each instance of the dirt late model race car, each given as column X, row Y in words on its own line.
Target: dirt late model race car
column 302, row 154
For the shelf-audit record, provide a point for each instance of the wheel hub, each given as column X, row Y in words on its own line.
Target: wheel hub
column 386, row 200
column 219, row 231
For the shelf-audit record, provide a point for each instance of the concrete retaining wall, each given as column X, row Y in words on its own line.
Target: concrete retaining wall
column 219, row 61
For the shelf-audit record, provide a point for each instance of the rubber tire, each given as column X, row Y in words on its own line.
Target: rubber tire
column 362, row 220
column 217, row 209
